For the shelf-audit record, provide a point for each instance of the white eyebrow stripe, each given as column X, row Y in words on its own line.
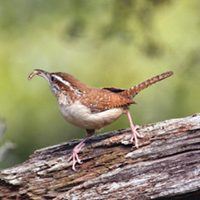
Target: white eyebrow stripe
column 63, row 81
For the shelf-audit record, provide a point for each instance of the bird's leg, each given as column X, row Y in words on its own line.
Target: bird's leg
column 135, row 134
column 74, row 157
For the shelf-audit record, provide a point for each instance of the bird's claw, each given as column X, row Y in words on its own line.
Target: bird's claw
column 74, row 157
column 135, row 135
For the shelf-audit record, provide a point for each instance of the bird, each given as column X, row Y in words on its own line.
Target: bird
column 92, row 108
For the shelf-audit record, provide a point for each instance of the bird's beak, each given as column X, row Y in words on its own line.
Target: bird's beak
column 40, row 72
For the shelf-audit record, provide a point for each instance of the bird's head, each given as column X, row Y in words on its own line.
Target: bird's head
column 58, row 81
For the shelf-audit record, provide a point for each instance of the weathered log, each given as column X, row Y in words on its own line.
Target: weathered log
column 166, row 165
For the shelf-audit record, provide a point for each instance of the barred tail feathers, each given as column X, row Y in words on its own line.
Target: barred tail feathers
column 133, row 91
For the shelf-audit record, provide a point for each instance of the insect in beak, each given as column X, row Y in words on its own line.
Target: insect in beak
column 41, row 73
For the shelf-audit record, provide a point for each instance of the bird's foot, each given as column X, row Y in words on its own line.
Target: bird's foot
column 135, row 135
column 74, row 157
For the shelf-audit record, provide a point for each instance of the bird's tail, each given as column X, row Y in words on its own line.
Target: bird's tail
column 133, row 91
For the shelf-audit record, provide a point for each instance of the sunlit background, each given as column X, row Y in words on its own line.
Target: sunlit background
column 103, row 43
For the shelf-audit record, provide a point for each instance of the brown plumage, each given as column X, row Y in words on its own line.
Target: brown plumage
column 133, row 91
column 75, row 83
column 93, row 108
column 101, row 100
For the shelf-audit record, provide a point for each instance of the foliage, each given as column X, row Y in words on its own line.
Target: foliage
column 103, row 43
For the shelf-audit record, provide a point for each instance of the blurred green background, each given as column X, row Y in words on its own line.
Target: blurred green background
column 103, row 43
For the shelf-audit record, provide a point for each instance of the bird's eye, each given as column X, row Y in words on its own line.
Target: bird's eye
column 53, row 78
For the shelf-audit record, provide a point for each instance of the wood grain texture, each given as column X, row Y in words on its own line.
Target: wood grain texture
column 166, row 165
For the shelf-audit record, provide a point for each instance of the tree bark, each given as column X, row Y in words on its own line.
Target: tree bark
column 165, row 166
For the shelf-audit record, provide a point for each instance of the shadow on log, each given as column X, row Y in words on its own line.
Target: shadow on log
column 166, row 166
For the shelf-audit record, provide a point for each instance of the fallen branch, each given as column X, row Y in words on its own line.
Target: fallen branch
column 166, row 164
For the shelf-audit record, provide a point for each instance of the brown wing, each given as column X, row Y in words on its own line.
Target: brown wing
column 102, row 99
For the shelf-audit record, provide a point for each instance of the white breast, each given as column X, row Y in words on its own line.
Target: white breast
column 81, row 116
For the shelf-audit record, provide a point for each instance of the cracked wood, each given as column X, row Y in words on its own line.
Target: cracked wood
column 166, row 164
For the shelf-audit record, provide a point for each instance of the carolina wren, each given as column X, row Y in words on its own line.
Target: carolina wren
column 93, row 108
